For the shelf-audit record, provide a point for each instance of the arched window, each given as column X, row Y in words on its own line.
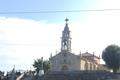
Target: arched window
column 90, row 66
column 86, row 65
column 94, row 67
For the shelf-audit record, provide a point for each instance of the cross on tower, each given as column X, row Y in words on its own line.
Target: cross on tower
column 66, row 20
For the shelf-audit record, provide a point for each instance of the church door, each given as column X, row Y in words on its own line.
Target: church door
column 64, row 67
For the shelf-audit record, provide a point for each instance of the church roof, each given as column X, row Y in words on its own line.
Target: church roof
column 89, row 55
column 68, row 53
column 66, row 29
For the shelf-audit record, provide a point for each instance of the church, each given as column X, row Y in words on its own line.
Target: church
column 65, row 60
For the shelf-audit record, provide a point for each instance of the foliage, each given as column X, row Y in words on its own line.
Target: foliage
column 111, row 56
column 41, row 64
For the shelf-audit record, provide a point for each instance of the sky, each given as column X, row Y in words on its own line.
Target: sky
column 29, row 36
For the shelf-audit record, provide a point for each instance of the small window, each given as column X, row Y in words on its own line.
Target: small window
column 64, row 60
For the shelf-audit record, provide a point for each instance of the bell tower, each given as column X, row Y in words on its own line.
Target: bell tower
column 66, row 39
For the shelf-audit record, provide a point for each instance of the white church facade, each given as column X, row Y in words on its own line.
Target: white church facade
column 68, row 61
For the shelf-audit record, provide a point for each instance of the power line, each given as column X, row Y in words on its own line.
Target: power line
column 59, row 11
column 8, row 44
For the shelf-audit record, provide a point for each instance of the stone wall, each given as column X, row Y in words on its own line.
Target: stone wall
column 71, row 61
column 80, row 75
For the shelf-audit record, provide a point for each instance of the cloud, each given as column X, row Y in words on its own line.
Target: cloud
column 25, row 40
column 95, row 32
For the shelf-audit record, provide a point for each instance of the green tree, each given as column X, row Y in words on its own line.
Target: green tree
column 38, row 64
column 111, row 56
column 41, row 64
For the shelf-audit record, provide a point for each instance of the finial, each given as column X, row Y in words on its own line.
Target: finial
column 42, row 58
column 80, row 54
column 51, row 55
column 56, row 51
column 14, row 66
column 66, row 20
column 93, row 53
